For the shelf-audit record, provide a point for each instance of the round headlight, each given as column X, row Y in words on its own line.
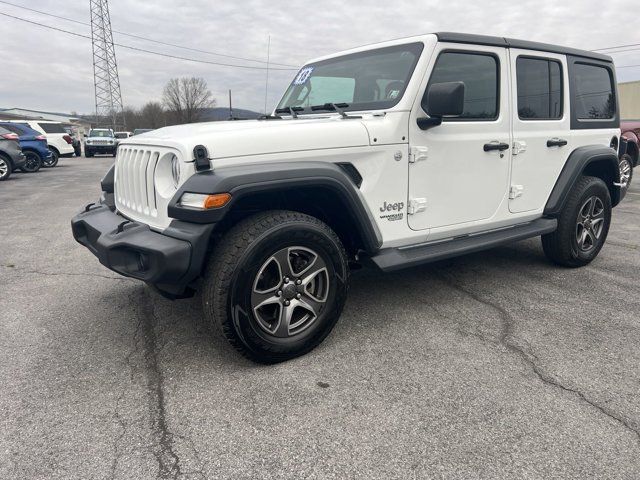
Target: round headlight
column 175, row 171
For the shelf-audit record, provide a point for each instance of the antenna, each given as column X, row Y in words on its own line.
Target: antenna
column 105, row 67
column 266, row 88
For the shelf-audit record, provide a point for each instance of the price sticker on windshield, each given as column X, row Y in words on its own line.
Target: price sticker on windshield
column 303, row 76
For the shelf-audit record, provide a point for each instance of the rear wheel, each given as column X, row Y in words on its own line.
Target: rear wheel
column 583, row 225
column 32, row 163
column 276, row 285
column 5, row 168
column 626, row 171
column 52, row 161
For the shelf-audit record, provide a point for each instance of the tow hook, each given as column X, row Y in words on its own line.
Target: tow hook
column 88, row 207
column 120, row 228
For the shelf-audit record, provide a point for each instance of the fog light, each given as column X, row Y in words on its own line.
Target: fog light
column 204, row 202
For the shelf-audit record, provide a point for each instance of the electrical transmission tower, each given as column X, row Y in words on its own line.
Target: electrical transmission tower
column 105, row 68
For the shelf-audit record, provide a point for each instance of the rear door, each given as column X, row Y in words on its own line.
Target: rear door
column 541, row 126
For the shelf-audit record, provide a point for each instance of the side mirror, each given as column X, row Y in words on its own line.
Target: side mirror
column 443, row 100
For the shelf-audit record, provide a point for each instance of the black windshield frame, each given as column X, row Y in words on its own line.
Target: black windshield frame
column 415, row 48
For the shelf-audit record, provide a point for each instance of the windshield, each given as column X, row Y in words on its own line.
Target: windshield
column 100, row 133
column 121, row 135
column 371, row 80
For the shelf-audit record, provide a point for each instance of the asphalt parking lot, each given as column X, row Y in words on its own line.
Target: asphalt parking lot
column 494, row 365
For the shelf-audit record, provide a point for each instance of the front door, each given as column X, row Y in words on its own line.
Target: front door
column 459, row 170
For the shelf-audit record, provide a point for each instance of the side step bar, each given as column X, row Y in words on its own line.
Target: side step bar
column 391, row 259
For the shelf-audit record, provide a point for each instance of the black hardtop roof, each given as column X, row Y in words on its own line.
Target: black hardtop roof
column 454, row 37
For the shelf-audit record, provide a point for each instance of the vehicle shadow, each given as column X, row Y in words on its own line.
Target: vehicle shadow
column 181, row 334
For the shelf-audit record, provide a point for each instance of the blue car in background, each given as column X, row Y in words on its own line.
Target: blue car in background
column 33, row 143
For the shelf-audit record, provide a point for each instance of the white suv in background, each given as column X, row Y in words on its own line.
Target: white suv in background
column 60, row 142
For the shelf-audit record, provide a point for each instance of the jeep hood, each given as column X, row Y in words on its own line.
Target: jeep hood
column 258, row 137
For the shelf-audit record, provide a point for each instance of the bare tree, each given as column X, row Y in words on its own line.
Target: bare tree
column 186, row 97
column 152, row 115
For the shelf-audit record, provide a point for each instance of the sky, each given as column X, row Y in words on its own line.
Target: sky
column 47, row 70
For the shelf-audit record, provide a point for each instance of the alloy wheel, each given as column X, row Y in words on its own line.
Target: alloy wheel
column 4, row 168
column 290, row 291
column 32, row 162
column 590, row 224
column 625, row 172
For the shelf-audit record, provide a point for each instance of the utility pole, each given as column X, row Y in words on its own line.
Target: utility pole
column 105, row 68
column 230, row 107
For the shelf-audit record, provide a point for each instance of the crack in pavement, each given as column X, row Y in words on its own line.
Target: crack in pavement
column 506, row 339
column 168, row 460
column 145, row 342
column 64, row 274
column 121, row 421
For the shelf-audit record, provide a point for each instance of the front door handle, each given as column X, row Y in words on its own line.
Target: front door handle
column 488, row 147
column 556, row 142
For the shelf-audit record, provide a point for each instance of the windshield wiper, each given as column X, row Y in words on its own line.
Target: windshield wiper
column 334, row 107
column 290, row 110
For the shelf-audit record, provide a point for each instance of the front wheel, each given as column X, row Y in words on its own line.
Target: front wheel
column 52, row 161
column 32, row 163
column 583, row 225
column 276, row 285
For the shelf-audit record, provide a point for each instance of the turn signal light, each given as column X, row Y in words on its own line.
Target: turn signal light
column 216, row 201
column 203, row 201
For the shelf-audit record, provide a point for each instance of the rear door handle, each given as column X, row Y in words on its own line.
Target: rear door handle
column 488, row 147
column 556, row 142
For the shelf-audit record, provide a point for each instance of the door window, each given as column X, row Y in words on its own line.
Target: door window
column 479, row 73
column 539, row 88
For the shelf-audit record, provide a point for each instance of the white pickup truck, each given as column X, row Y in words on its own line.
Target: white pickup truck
column 403, row 152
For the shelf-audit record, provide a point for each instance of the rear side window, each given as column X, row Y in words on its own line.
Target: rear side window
column 12, row 128
column 52, row 127
column 594, row 98
column 539, row 88
column 479, row 73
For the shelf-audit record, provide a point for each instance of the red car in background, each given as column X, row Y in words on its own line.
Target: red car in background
column 630, row 151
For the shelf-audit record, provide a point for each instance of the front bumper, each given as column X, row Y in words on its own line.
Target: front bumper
column 169, row 260
column 101, row 148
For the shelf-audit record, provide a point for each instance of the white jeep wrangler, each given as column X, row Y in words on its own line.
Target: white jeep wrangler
column 404, row 152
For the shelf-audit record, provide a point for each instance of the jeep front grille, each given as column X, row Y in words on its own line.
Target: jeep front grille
column 134, row 186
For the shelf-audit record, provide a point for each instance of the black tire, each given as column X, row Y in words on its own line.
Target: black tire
column 573, row 245
column 245, row 256
column 88, row 153
column 5, row 168
column 51, row 161
column 626, row 171
column 33, row 162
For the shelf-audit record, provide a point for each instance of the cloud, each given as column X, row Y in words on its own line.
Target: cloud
column 48, row 70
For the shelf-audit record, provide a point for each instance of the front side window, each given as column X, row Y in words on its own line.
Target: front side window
column 479, row 73
column 371, row 80
column 539, row 88
column 593, row 96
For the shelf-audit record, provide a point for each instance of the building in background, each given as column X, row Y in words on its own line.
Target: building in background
column 78, row 124
column 629, row 100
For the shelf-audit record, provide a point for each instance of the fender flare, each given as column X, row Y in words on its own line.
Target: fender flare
column 632, row 139
column 244, row 180
column 574, row 167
